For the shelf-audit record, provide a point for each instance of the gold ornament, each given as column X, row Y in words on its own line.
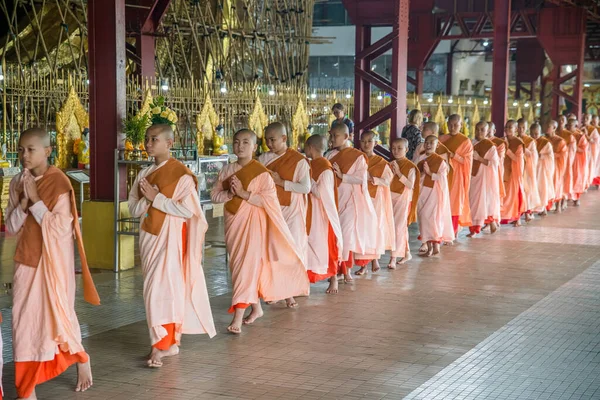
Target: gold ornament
column 72, row 108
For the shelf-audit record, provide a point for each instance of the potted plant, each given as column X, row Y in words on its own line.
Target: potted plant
column 134, row 129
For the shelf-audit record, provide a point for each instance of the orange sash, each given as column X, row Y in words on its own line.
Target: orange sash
column 481, row 148
column 50, row 187
column 454, row 142
column 566, row 135
column 376, row 167
column 513, row 145
column 345, row 158
column 317, row 167
column 285, row 166
column 527, row 140
column 558, row 144
column 166, row 178
column 245, row 175
column 540, row 143
column 398, row 187
column 434, row 161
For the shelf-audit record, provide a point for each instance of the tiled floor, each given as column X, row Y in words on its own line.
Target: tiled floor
column 483, row 320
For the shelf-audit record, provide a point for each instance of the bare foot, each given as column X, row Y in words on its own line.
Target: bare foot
column 361, row 271
column 348, row 278
column 423, row 248
column 375, row 266
column 291, row 303
column 543, row 213
column 576, row 203
column 484, row 226
column 84, row 376
column 236, row 324
column 493, row 227
column 155, row 360
column 255, row 314
column 406, row 259
column 31, row 397
column 436, row 249
column 528, row 217
column 392, row 263
column 470, row 235
column 333, row 286
column 517, row 224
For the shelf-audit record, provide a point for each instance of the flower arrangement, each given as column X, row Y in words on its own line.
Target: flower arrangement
column 161, row 114
column 135, row 127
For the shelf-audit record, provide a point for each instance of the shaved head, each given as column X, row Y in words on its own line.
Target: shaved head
column 481, row 124
column 162, row 129
column 454, row 117
column 431, row 127
column 340, row 128
column 39, row 133
column 400, row 140
column 367, row 134
column 246, row 131
column 276, row 127
column 317, row 142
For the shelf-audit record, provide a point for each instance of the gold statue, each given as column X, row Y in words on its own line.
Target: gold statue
column 4, row 163
column 219, row 146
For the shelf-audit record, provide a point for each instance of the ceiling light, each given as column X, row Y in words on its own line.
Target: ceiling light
column 485, row 43
column 430, row 100
column 272, row 90
column 313, row 96
column 450, row 100
column 223, row 87
column 515, row 104
column 164, row 84
column 469, row 101
column 538, row 104
column 486, row 102
column 348, row 95
column 526, row 105
column 586, row 85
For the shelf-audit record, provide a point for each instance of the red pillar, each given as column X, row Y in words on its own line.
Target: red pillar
column 400, row 67
column 449, row 73
column 144, row 45
column 106, row 50
column 500, row 63
column 362, row 88
column 419, row 82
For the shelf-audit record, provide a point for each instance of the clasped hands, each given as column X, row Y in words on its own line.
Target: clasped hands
column 149, row 191
column 27, row 190
column 237, row 189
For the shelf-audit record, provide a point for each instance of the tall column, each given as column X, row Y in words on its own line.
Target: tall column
column 400, row 67
column 449, row 73
column 419, row 82
column 500, row 64
column 362, row 88
column 106, row 54
column 144, row 44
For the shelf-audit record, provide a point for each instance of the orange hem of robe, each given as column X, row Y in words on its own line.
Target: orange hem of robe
column 455, row 224
column 510, row 221
column 167, row 341
column 345, row 266
column 333, row 259
column 238, row 305
column 28, row 374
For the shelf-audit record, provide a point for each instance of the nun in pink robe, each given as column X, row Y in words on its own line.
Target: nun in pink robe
column 433, row 209
column 263, row 258
column 484, row 193
column 324, row 216
column 545, row 173
column 295, row 213
column 401, row 204
column 174, row 289
column 530, row 183
column 382, row 202
column 356, row 210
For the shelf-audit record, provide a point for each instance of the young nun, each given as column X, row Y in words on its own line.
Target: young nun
column 323, row 221
column 172, row 226
column 405, row 196
column 433, row 209
column 484, row 193
column 42, row 212
column 264, row 260
column 545, row 169
column 379, row 175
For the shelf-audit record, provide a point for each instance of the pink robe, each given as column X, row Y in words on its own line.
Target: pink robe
column 530, row 183
column 545, row 176
column 386, row 234
column 484, row 193
column 264, row 260
column 401, row 204
column 592, row 154
column 44, row 318
column 433, row 209
column 513, row 203
column 324, row 215
column 295, row 213
column 580, row 168
column 174, row 289
column 461, row 163
column 356, row 210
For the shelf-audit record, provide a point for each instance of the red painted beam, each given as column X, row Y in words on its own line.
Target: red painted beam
column 106, row 69
column 500, row 62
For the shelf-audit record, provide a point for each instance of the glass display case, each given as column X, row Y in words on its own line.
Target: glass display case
column 207, row 172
